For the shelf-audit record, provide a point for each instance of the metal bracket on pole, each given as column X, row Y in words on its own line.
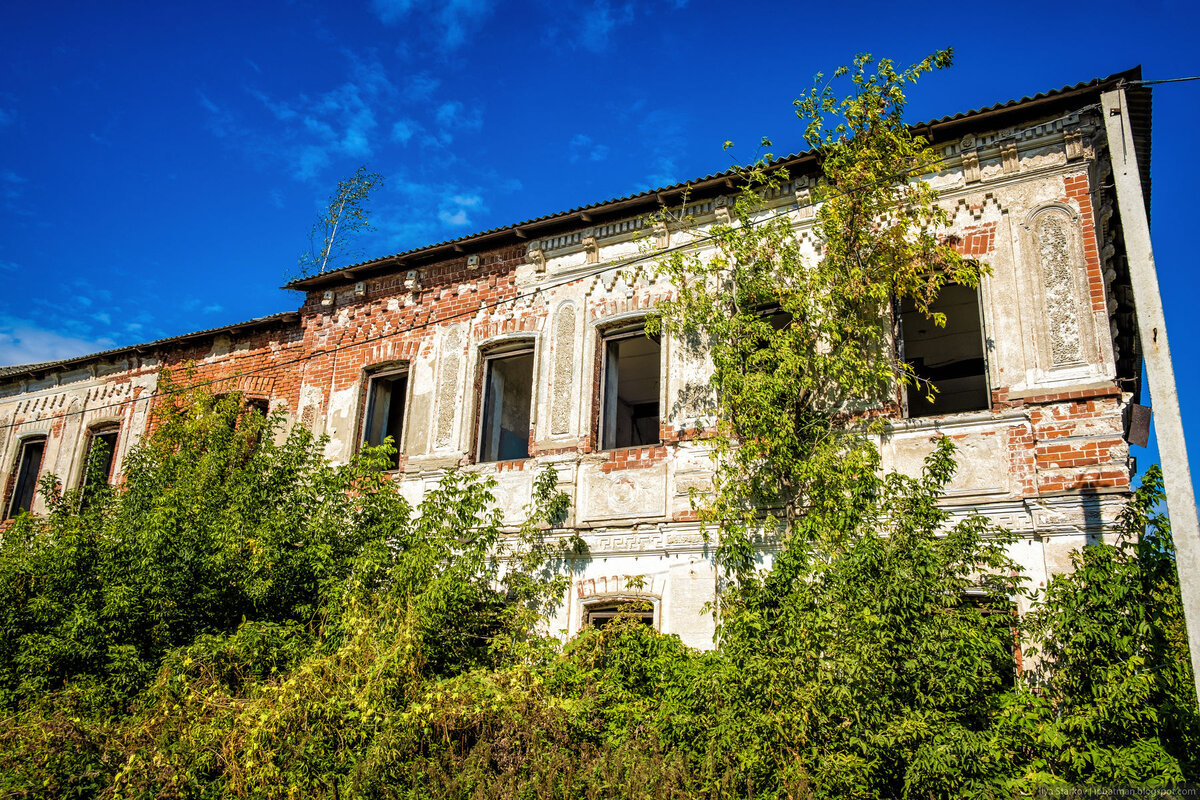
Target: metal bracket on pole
column 1152, row 326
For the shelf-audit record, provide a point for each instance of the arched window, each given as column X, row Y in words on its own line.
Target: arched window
column 102, row 445
column 25, row 475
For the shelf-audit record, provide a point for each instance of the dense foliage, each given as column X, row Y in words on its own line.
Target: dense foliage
column 329, row 641
column 799, row 343
column 239, row 618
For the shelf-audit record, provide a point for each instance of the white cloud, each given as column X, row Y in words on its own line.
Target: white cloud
column 582, row 147
column 24, row 342
column 12, row 186
column 421, row 86
column 309, row 132
column 309, row 161
column 456, row 218
column 453, row 114
column 213, row 308
column 451, row 20
column 220, row 121
column 7, row 116
column 9, row 266
column 103, row 318
column 419, row 213
column 599, row 22
column 454, row 209
column 592, row 24
column 403, row 130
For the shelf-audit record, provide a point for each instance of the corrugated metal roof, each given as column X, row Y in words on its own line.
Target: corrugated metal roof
column 323, row 278
column 639, row 197
column 21, row 369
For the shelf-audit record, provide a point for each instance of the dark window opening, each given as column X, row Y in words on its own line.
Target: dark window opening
column 507, row 398
column 599, row 615
column 385, row 411
column 778, row 319
column 29, row 462
column 102, row 447
column 259, row 404
column 1001, row 618
column 951, row 358
column 629, row 408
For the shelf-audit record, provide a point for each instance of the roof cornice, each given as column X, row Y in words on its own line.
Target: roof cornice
column 945, row 129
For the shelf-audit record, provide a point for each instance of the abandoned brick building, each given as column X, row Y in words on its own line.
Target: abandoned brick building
column 521, row 346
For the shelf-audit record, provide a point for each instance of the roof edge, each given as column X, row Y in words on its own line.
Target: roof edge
column 32, row 370
column 942, row 129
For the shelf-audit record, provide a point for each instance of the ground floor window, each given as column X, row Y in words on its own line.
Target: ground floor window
column 597, row 615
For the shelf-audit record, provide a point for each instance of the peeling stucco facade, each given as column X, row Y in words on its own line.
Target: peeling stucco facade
column 1024, row 187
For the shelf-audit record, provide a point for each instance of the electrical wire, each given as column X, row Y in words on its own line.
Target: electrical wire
column 1165, row 80
column 924, row 166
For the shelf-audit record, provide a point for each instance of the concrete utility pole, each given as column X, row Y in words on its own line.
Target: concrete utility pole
column 1152, row 326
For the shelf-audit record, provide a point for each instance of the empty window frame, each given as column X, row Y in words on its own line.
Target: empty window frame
column 507, row 400
column 259, row 404
column 28, row 464
column 951, row 358
column 102, row 443
column 629, row 411
column 386, row 399
column 1001, row 617
column 597, row 615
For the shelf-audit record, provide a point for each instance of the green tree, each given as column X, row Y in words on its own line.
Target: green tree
column 800, row 346
column 345, row 215
column 241, row 618
column 1114, row 698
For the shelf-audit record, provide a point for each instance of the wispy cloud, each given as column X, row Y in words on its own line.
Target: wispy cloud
column 420, row 86
column 7, row 116
column 583, row 148
column 403, row 130
column 666, row 131
column 12, row 186
column 416, row 213
column 213, row 308
column 599, row 22
column 452, row 21
column 9, row 266
column 450, row 119
column 454, row 210
column 456, row 116
column 592, row 25
column 25, row 342
column 308, row 132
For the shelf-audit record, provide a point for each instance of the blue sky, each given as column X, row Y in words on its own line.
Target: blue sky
column 161, row 164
